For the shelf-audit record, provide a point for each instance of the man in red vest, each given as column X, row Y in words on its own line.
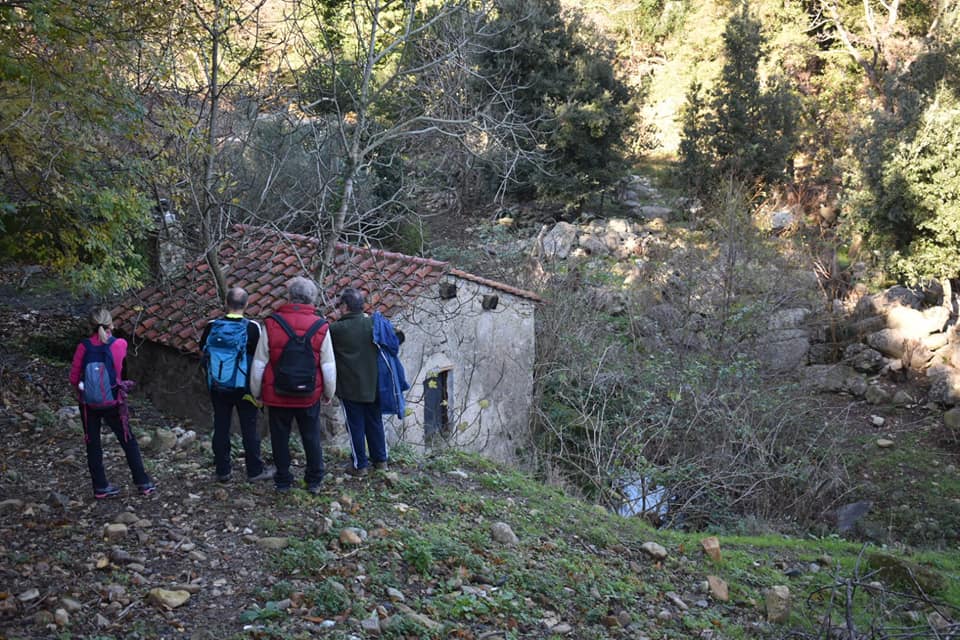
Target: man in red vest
column 293, row 375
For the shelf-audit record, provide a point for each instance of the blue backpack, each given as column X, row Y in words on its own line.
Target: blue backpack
column 99, row 375
column 225, row 354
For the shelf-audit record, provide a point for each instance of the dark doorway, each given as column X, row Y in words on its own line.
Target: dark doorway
column 436, row 405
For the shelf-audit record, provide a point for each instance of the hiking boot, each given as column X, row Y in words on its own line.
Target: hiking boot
column 351, row 470
column 282, row 488
column 266, row 474
column 381, row 466
column 109, row 491
column 147, row 488
column 223, row 478
column 314, row 489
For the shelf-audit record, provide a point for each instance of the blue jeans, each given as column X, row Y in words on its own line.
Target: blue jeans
column 92, row 421
column 365, row 423
column 224, row 402
column 281, row 423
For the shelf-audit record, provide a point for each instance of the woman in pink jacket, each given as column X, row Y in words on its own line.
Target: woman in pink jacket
column 95, row 374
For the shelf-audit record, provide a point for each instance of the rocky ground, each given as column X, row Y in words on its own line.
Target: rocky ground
column 446, row 546
column 203, row 560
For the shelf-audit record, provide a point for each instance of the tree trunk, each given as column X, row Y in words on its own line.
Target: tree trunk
column 211, row 210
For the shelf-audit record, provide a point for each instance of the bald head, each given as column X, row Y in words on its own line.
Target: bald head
column 237, row 299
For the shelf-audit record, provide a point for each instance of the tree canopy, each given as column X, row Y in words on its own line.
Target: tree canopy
column 74, row 137
column 336, row 117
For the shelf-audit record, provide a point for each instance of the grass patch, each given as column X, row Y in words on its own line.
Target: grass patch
column 307, row 557
column 58, row 348
column 329, row 598
column 912, row 493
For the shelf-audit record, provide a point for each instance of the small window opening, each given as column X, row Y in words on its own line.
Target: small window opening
column 448, row 290
column 490, row 302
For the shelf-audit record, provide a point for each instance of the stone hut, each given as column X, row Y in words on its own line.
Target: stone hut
column 468, row 354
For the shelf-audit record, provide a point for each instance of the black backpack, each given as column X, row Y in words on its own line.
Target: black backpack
column 295, row 373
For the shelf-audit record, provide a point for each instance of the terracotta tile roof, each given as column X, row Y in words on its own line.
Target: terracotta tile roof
column 262, row 261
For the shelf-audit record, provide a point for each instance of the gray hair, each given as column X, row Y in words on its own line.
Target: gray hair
column 302, row 290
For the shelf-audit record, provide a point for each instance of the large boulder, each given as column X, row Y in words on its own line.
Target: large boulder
column 850, row 514
column 783, row 350
column 612, row 240
column 832, row 378
column 823, row 352
column 933, row 292
column 889, row 342
column 619, row 225
column 861, row 328
column 593, row 245
column 935, row 341
column 893, row 297
column 948, row 353
column 863, row 358
column 560, row 240
column 784, row 219
column 788, row 318
column 895, row 344
column 914, row 324
column 951, row 420
column 905, row 574
column 944, row 384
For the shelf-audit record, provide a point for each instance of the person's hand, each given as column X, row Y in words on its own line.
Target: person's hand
column 254, row 401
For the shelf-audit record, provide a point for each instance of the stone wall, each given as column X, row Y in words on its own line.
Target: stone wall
column 889, row 338
column 173, row 381
column 489, row 356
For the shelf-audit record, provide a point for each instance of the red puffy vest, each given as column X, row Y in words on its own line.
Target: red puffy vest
column 300, row 317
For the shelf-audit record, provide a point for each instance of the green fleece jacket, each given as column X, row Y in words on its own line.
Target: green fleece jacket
column 356, row 357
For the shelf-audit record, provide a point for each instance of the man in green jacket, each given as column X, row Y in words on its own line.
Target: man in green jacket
column 356, row 357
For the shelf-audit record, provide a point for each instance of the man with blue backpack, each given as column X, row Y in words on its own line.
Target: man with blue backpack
column 228, row 345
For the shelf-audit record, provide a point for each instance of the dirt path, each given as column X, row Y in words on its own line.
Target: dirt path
column 70, row 562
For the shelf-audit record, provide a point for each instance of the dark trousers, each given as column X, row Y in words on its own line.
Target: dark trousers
column 365, row 423
column 224, row 402
column 92, row 421
column 281, row 422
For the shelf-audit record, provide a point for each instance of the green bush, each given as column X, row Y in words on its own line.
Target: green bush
column 740, row 128
column 560, row 74
column 680, row 401
column 910, row 209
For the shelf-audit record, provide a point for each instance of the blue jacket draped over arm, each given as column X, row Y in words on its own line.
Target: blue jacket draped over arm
column 391, row 378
